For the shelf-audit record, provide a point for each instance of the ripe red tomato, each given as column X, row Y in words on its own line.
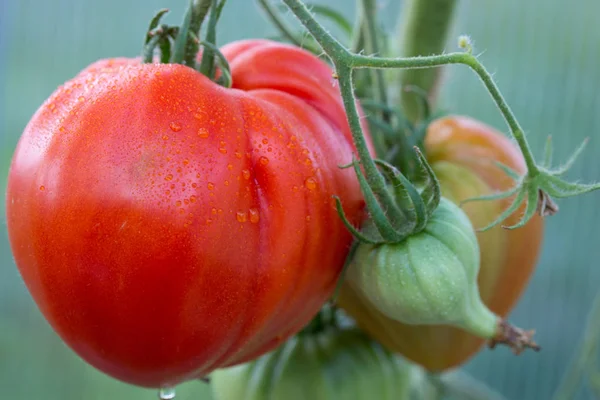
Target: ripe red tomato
column 462, row 152
column 167, row 226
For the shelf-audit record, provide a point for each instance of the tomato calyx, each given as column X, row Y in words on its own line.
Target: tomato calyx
column 180, row 44
column 413, row 206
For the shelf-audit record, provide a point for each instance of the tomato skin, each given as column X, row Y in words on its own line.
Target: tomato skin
column 167, row 226
column 462, row 152
column 333, row 364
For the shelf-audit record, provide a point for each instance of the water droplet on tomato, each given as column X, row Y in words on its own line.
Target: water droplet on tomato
column 222, row 150
column 42, row 188
column 210, row 185
column 166, row 393
column 192, row 199
column 175, row 127
column 203, row 133
column 310, row 183
column 238, row 154
column 168, row 177
column 263, row 160
column 246, row 174
column 254, row 215
column 241, row 216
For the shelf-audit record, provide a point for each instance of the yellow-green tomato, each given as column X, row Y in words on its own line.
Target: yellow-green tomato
column 330, row 365
column 428, row 278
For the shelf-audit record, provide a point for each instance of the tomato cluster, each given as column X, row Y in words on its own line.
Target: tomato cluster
column 169, row 227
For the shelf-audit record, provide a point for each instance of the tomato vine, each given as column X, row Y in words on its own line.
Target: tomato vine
column 535, row 188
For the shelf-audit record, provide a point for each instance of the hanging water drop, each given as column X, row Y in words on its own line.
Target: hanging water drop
column 166, row 393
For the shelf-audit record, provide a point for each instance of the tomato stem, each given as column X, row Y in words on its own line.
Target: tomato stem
column 369, row 11
column 207, row 65
column 279, row 23
column 538, row 180
column 198, row 10
column 424, row 28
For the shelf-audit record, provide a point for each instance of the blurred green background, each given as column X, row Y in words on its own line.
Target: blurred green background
column 545, row 55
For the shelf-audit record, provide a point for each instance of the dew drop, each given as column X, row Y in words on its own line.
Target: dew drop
column 241, row 216
column 265, row 141
column 246, row 174
column 263, row 160
column 186, row 161
column 42, row 188
column 175, row 127
column 210, row 185
column 166, row 393
column 310, row 183
column 222, row 150
column 178, row 203
column 81, row 98
column 203, row 133
column 238, row 154
column 254, row 215
column 230, row 166
column 168, row 177
column 192, row 199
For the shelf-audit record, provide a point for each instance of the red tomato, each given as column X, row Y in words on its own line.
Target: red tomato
column 462, row 152
column 167, row 226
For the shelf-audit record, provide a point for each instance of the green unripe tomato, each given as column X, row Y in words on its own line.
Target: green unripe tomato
column 429, row 278
column 334, row 364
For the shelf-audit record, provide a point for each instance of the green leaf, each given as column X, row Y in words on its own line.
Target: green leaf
column 566, row 166
column 508, row 212
column 532, row 203
column 154, row 23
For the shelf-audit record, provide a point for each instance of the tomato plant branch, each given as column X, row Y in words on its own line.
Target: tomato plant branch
column 279, row 23
column 424, row 29
column 583, row 360
column 207, row 64
column 534, row 188
column 186, row 50
column 369, row 9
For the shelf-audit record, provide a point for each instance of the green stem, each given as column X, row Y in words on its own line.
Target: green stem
column 583, row 360
column 358, row 36
column 207, row 64
column 279, row 23
column 369, row 9
column 199, row 11
column 423, row 31
column 346, row 61
column 359, row 61
column 374, row 177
